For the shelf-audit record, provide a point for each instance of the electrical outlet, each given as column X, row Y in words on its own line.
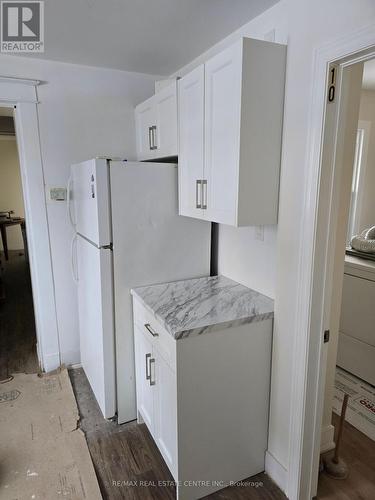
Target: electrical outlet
column 259, row 233
column 57, row 194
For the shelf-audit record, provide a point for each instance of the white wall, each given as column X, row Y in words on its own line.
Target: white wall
column 93, row 93
column 367, row 113
column 248, row 260
column 11, row 189
column 83, row 112
column 305, row 25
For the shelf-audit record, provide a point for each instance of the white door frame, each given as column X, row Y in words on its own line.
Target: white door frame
column 314, row 271
column 22, row 94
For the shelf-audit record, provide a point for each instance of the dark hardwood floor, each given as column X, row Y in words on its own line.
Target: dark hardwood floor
column 358, row 451
column 17, row 324
column 125, row 456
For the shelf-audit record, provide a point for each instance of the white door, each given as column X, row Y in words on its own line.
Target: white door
column 165, row 408
column 222, row 134
column 145, row 118
column 145, row 378
column 191, row 143
column 165, row 133
column 90, row 195
column 96, row 322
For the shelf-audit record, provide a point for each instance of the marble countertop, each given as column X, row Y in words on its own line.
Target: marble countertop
column 196, row 306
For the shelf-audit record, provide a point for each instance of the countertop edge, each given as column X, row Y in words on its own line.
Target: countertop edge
column 181, row 334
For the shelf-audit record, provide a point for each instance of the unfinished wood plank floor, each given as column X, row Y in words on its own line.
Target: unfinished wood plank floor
column 358, row 451
column 126, row 453
column 17, row 323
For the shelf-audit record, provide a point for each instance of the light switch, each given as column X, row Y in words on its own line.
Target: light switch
column 57, row 194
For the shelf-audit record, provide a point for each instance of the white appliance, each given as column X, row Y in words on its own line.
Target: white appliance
column 128, row 234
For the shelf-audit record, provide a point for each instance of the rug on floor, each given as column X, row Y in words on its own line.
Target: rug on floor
column 43, row 455
column 361, row 404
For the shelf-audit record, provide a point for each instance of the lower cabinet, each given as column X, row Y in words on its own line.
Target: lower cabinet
column 205, row 400
column 145, row 393
column 156, row 397
column 165, row 405
column 356, row 346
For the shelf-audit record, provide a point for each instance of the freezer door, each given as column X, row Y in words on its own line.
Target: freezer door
column 90, row 195
column 96, row 322
column 153, row 244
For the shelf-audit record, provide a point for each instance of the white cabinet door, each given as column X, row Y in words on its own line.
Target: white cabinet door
column 357, row 309
column 96, row 326
column 145, row 373
column 191, row 143
column 156, row 124
column 166, row 412
column 165, row 133
column 91, row 198
column 222, row 134
column 145, row 118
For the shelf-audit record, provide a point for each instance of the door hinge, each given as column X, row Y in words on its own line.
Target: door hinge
column 332, row 84
column 326, row 336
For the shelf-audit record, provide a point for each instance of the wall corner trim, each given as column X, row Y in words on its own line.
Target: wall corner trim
column 51, row 361
column 276, row 471
column 22, row 81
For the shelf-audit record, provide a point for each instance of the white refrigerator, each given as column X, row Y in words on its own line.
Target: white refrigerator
column 128, row 234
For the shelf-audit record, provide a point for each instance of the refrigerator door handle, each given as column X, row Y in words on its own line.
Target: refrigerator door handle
column 68, row 199
column 73, row 246
column 150, row 137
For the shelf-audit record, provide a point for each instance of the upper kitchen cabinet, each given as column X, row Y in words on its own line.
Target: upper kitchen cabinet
column 191, row 142
column 230, row 126
column 156, row 125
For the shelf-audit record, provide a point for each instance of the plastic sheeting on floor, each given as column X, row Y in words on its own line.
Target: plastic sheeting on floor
column 42, row 453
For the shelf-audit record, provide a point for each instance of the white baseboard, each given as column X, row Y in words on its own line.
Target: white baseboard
column 276, row 471
column 74, row 366
column 51, row 362
column 326, row 440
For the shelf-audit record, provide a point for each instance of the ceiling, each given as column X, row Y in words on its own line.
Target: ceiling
column 368, row 82
column 148, row 36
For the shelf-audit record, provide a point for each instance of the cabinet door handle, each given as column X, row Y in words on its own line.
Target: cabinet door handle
column 154, row 137
column 204, row 194
column 148, row 374
column 150, row 137
column 198, row 191
column 152, row 382
column 151, row 330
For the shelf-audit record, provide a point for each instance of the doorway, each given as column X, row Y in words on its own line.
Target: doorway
column 18, row 346
column 350, row 366
column 333, row 124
